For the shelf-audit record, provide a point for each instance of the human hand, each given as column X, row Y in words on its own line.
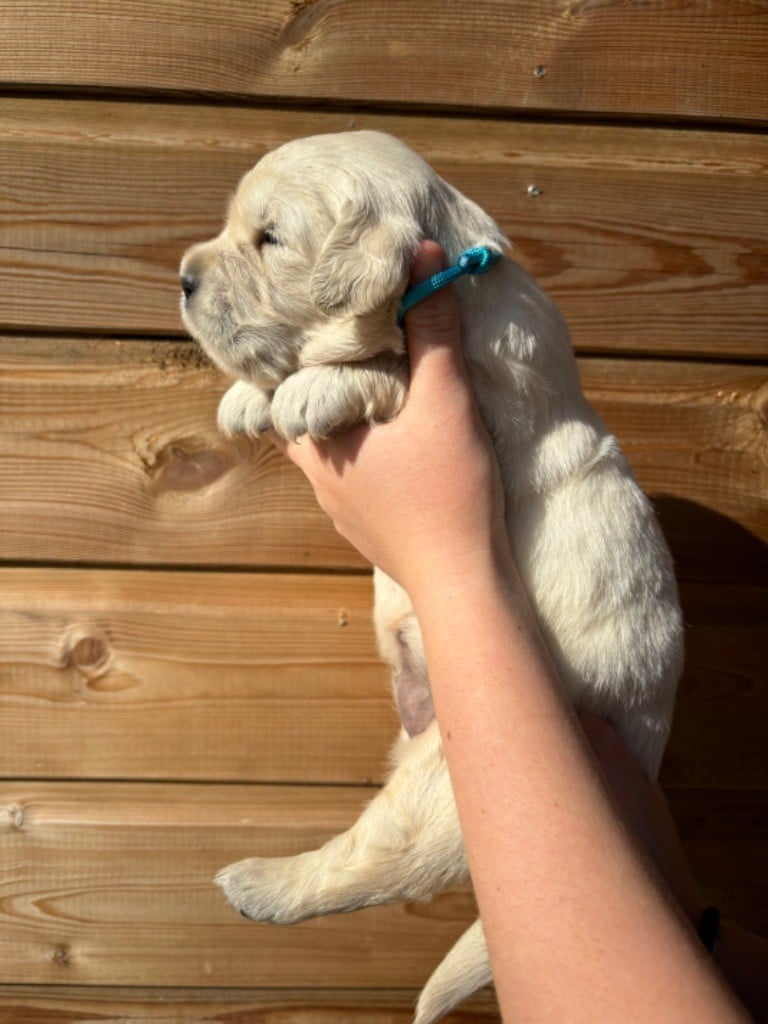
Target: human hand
column 420, row 497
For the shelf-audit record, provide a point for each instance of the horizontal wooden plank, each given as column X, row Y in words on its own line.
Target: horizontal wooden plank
column 650, row 240
column 696, row 436
column 725, row 837
column 111, row 885
column 118, row 459
column 75, row 1004
column 208, row 676
column 191, row 676
column 721, row 716
column 674, row 60
column 109, row 452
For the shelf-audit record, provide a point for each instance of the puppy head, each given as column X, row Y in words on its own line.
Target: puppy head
column 314, row 256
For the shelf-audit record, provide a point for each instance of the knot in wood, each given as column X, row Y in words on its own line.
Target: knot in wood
column 61, row 955
column 762, row 407
column 16, row 816
column 88, row 651
column 189, row 464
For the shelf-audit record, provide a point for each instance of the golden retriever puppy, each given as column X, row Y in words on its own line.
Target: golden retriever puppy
column 297, row 298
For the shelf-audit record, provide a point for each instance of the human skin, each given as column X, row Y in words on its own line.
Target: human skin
column 579, row 926
column 741, row 956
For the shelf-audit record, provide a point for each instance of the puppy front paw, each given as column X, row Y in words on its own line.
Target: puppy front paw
column 245, row 409
column 325, row 400
column 313, row 401
column 262, row 890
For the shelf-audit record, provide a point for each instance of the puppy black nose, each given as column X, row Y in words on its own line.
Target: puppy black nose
column 189, row 284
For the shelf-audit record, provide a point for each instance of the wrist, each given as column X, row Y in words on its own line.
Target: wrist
column 461, row 576
column 467, row 600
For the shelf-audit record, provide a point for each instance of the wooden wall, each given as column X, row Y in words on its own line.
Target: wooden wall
column 187, row 670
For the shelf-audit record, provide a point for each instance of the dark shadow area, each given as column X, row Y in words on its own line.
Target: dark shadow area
column 721, row 721
column 715, row 769
column 708, row 546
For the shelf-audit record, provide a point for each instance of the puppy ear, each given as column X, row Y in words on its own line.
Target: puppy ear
column 364, row 262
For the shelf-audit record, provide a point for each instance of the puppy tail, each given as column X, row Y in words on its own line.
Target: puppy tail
column 465, row 969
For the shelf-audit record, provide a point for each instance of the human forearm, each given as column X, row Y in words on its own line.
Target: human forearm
column 567, row 941
column 576, row 927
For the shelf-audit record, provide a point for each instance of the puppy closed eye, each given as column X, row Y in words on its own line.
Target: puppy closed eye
column 266, row 237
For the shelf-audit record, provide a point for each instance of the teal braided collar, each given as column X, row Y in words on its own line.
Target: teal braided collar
column 473, row 261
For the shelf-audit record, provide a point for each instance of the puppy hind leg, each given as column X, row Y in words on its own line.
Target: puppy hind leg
column 406, row 845
column 463, row 971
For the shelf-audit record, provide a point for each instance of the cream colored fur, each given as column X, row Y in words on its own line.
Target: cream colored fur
column 297, row 298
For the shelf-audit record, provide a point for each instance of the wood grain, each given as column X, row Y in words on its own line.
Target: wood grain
column 697, row 60
column 725, row 838
column 244, row 677
column 106, row 884
column 75, row 1004
column 200, row 715
column 696, row 436
column 721, row 715
column 652, row 241
column 191, row 676
column 109, row 453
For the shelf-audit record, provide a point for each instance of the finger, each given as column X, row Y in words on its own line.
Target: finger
column 289, row 448
column 310, row 454
column 300, row 452
column 432, row 326
column 608, row 746
column 428, row 258
column 279, row 442
column 435, row 319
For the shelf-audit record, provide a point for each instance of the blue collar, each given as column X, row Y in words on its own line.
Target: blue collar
column 473, row 261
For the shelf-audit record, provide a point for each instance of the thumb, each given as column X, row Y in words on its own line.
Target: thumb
column 432, row 326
